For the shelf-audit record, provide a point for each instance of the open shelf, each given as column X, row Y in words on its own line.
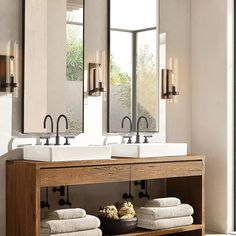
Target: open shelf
column 143, row 232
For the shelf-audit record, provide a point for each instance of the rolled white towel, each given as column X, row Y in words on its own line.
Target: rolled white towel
column 67, row 226
column 92, row 232
column 156, row 213
column 165, row 223
column 64, row 214
column 163, row 202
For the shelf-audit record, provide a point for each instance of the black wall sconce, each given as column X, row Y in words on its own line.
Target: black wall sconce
column 7, row 73
column 168, row 88
column 95, row 86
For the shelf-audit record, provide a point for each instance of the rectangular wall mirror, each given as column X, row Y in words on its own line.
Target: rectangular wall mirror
column 133, row 64
column 53, row 63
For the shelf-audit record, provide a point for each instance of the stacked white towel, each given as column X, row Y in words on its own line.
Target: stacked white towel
column 164, row 213
column 70, row 222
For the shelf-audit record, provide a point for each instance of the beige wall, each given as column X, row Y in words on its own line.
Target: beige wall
column 209, row 103
column 175, row 20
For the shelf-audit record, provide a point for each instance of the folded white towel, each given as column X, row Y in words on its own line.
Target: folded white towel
column 92, row 232
column 163, row 202
column 165, row 223
column 67, row 226
column 156, row 213
column 64, row 214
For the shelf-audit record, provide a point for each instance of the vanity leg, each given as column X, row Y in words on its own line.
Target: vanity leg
column 190, row 190
column 22, row 200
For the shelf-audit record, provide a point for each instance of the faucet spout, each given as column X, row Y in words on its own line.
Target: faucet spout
column 58, row 121
column 45, row 122
column 130, row 122
column 138, row 123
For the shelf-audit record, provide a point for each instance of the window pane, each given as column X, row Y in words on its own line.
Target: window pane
column 120, row 77
column 133, row 14
column 147, row 82
column 74, row 68
column 74, row 52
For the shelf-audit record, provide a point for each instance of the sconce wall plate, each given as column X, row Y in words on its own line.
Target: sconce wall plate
column 94, row 85
column 3, row 73
column 168, row 88
column 7, row 74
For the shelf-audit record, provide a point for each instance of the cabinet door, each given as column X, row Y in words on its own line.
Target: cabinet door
column 84, row 175
column 166, row 170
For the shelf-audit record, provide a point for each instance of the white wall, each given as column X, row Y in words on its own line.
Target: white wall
column 209, row 103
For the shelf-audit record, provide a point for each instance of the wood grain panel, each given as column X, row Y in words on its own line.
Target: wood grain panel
column 23, row 200
column 84, row 175
column 166, row 170
column 10, row 198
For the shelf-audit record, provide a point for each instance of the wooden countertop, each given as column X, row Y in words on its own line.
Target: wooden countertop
column 113, row 161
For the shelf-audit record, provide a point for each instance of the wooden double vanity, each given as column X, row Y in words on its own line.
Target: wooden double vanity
column 184, row 176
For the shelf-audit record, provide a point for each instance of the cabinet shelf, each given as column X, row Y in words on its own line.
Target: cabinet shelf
column 144, row 232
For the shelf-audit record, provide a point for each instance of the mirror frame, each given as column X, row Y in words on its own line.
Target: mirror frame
column 108, row 71
column 108, row 63
column 23, row 69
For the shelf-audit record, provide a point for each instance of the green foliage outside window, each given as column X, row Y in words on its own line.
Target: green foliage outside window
column 74, row 65
column 146, row 85
column 74, row 53
column 123, row 81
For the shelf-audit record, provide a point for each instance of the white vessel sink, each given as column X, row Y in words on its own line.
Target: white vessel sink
column 149, row 150
column 66, row 153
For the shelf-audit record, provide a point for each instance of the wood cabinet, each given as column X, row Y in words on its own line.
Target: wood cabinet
column 184, row 176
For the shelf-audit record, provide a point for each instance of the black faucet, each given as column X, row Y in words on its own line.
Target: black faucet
column 44, row 126
column 130, row 128
column 45, row 122
column 58, row 121
column 138, row 122
column 130, row 123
